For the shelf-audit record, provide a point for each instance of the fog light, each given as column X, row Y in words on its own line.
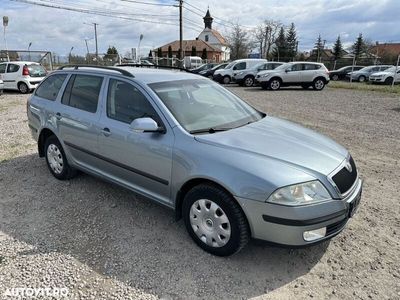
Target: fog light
column 315, row 234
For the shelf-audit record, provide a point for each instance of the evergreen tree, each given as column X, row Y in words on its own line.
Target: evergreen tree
column 204, row 54
column 150, row 54
column 159, row 52
column 194, row 51
column 338, row 48
column 359, row 47
column 281, row 50
column 292, row 42
column 169, row 51
column 111, row 53
column 318, row 47
column 179, row 54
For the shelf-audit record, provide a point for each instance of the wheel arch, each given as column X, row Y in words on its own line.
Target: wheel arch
column 45, row 133
column 320, row 77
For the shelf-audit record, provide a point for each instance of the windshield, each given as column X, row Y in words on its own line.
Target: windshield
column 36, row 71
column 391, row 69
column 230, row 65
column 201, row 104
column 219, row 67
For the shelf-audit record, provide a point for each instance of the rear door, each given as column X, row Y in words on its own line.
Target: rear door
column 78, row 118
column 11, row 76
column 140, row 160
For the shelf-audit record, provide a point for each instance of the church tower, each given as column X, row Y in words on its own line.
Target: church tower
column 208, row 20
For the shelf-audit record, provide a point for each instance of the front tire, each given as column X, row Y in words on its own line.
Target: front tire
column 248, row 81
column 226, row 80
column 56, row 159
column 214, row 220
column 318, row 84
column 389, row 80
column 362, row 78
column 274, row 84
column 23, row 88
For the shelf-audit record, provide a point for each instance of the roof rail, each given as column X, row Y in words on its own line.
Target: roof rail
column 76, row 67
column 154, row 66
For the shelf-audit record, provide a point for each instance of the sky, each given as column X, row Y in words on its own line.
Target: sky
column 58, row 30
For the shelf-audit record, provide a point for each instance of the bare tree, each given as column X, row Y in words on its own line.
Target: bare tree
column 265, row 35
column 238, row 42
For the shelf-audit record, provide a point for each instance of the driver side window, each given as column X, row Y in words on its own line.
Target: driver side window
column 240, row 66
column 126, row 103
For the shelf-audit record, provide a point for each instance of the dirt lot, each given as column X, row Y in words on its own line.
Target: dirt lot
column 103, row 242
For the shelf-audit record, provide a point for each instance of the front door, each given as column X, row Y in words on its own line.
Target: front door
column 140, row 160
column 293, row 73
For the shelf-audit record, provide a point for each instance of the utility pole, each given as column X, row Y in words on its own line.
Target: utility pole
column 95, row 37
column 180, row 33
column 5, row 24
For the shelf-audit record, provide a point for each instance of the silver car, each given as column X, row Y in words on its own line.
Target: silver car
column 247, row 77
column 230, row 171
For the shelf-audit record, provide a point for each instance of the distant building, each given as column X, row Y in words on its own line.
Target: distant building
column 210, row 39
column 386, row 50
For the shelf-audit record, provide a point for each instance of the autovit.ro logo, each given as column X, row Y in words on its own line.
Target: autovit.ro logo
column 27, row 293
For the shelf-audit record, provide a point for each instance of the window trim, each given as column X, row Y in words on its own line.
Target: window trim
column 12, row 64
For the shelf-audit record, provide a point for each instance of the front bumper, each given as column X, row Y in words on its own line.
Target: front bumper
column 285, row 225
column 377, row 79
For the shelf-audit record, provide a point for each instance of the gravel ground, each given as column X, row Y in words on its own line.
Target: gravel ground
column 103, row 242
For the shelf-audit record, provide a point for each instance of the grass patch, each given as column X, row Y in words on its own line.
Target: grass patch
column 365, row 87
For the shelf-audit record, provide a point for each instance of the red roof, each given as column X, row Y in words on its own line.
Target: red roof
column 387, row 48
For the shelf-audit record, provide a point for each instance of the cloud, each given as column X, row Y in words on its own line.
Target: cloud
column 58, row 30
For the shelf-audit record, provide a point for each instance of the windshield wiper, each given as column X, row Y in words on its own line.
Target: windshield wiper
column 210, row 130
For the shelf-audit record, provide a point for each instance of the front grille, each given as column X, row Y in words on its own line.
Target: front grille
column 335, row 227
column 344, row 179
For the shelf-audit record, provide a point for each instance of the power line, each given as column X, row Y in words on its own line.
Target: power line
column 148, row 3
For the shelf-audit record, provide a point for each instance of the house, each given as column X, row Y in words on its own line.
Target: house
column 214, row 38
column 209, row 39
column 386, row 50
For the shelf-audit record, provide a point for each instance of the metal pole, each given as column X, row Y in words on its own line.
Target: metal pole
column 352, row 69
column 95, row 36
column 395, row 71
column 29, row 50
column 138, row 51
column 180, row 31
column 87, row 51
column 5, row 24
column 69, row 56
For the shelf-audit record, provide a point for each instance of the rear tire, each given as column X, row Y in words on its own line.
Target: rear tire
column 214, row 220
column 318, row 84
column 23, row 88
column 335, row 77
column 56, row 159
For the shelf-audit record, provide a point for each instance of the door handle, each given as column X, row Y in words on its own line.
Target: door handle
column 58, row 116
column 106, row 131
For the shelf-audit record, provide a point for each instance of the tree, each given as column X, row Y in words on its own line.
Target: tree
column 159, row 52
column 359, row 47
column 265, row 35
column 338, row 48
column 194, row 51
column 179, row 54
column 318, row 47
column 238, row 42
column 112, row 53
column 204, row 54
column 169, row 51
column 291, row 41
column 280, row 51
column 150, row 54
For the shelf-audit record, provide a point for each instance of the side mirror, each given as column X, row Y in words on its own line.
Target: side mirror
column 145, row 125
column 287, row 70
column 234, row 68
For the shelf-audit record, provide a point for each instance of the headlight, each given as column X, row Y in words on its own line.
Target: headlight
column 265, row 75
column 300, row 194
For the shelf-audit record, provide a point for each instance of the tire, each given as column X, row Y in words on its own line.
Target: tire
column 274, row 84
column 389, row 80
column 362, row 78
column 335, row 77
column 318, row 84
column 226, row 80
column 56, row 159
column 305, row 86
column 214, row 220
column 23, row 88
column 248, row 81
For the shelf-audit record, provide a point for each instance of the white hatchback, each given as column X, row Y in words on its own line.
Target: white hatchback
column 23, row 76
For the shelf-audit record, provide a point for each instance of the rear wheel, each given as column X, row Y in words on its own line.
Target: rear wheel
column 362, row 78
column 275, row 84
column 56, row 159
column 318, row 84
column 214, row 220
column 248, row 81
column 23, row 88
column 226, row 80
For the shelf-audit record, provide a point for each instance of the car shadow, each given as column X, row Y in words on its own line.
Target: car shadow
column 134, row 240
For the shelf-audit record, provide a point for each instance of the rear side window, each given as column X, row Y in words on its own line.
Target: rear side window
column 308, row 67
column 126, row 103
column 82, row 92
column 12, row 68
column 50, row 87
column 2, row 68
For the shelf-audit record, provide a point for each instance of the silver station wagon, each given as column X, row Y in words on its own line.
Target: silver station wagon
column 230, row 171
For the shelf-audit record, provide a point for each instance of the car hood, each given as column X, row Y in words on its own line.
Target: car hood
column 284, row 141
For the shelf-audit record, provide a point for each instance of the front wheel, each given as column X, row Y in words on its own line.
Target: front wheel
column 56, row 159
column 226, row 80
column 318, row 84
column 214, row 220
column 362, row 78
column 389, row 80
column 248, row 81
column 275, row 84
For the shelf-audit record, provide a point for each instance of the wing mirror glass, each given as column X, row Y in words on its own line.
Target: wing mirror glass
column 145, row 125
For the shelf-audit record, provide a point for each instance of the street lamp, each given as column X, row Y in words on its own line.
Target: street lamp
column 5, row 24
column 87, row 49
column 69, row 56
column 140, row 40
column 29, row 50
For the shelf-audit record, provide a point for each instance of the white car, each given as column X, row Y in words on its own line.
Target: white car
column 225, row 75
column 23, row 76
column 304, row 74
column 386, row 76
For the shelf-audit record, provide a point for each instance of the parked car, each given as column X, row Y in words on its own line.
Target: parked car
column 363, row 74
column 225, row 75
column 231, row 171
column 210, row 72
column 191, row 62
column 1, row 86
column 203, row 67
column 146, row 62
column 247, row 77
column 341, row 73
column 386, row 76
column 304, row 74
column 22, row 75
